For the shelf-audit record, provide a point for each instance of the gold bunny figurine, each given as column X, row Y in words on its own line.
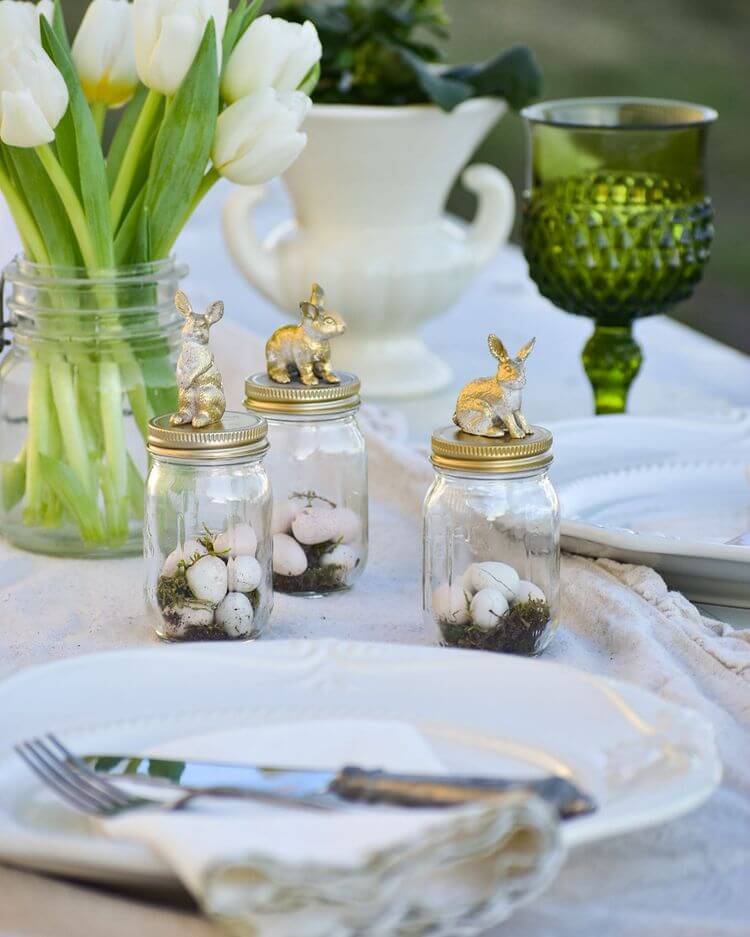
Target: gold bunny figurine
column 490, row 406
column 304, row 348
column 200, row 390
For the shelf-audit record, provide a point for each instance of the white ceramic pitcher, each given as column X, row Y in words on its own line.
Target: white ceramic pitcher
column 369, row 193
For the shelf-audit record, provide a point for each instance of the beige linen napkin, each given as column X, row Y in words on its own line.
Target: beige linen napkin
column 280, row 872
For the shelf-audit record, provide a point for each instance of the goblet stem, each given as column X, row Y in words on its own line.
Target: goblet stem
column 611, row 359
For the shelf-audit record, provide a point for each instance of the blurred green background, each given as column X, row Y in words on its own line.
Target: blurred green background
column 689, row 49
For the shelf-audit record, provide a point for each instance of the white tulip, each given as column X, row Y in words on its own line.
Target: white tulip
column 19, row 21
column 258, row 137
column 33, row 95
column 272, row 53
column 104, row 52
column 167, row 36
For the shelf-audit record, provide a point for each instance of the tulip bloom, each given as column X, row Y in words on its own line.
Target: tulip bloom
column 104, row 52
column 167, row 36
column 271, row 53
column 19, row 21
column 33, row 95
column 258, row 137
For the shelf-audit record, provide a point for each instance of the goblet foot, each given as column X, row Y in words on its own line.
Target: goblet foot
column 611, row 360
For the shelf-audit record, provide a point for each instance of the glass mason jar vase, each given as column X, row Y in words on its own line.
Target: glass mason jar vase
column 91, row 361
column 491, row 543
column 318, row 464
column 207, row 540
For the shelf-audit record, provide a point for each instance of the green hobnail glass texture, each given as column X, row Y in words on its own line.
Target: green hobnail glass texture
column 616, row 221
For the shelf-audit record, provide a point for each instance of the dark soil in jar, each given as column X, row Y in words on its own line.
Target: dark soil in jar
column 517, row 632
column 317, row 577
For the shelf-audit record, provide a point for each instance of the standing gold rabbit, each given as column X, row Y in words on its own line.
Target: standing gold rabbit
column 199, row 385
column 304, row 349
column 490, row 406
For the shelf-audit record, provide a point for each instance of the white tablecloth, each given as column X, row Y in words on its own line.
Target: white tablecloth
column 688, row 877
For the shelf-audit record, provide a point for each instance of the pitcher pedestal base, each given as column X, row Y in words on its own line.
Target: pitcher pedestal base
column 392, row 367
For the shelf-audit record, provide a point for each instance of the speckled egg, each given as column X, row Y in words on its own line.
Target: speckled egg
column 243, row 574
column 487, row 608
column 190, row 548
column 208, row 579
column 240, row 541
column 527, row 592
column 450, row 604
column 235, row 614
column 491, row 575
column 342, row 555
column 179, row 619
column 288, row 556
column 348, row 525
column 315, row 525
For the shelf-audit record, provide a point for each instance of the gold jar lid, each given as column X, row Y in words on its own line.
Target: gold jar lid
column 454, row 449
column 235, row 436
column 266, row 395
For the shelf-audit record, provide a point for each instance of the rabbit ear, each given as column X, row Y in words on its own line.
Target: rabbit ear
column 525, row 350
column 317, row 296
column 183, row 303
column 497, row 349
column 214, row 312
column 309, row 310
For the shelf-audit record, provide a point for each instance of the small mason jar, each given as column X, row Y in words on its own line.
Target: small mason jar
column 207, row 533
column 491, row 542
column 318, row 463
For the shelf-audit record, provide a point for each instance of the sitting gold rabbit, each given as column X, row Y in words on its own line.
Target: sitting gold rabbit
column 304, row 348
column 200, row 390
column 489, row 406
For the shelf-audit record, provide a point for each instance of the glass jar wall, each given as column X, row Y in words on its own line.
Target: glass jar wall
column 491, row 558
column 207, row 540
column 91, row 361
column 318, row 463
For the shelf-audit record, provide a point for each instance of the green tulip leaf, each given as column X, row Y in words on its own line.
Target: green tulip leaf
column 122, row 135
column 183, row 147
column 77, row 500
column 91, row 169
column 12, row 483
column 58, row 24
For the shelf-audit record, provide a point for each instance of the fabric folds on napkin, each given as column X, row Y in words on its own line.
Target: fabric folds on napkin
column 281, row 872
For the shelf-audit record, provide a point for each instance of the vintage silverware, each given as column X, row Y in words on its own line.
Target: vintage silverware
column 349, row 785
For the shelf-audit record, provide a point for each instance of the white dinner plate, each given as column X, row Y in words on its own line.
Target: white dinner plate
column 677, row 517
column 663, row 492
column 645, row 760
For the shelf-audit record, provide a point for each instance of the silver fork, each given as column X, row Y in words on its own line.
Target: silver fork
column 81, row 787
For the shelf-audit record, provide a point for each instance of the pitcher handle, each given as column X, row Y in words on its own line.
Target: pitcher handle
column 256, row 262
column 495, row 212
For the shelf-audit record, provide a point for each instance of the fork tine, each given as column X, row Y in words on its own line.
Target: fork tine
column 63, row 789
column 90, row 779
column 69, row 775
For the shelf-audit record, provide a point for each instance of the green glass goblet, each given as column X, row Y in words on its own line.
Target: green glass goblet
column 616, row 220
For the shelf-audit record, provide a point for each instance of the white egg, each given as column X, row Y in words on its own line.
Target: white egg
column 208, row 579
column 283, row 514
column 341, row 555
column 491, row 575
column 243, row 574
column 240, row 540
column 189, row 549
column 487, row 608
column 348, row 526
column 179, row 619
column 314, row 525
column 527, row 592
column 288, row 556
column 235, row 614
column 450, row 604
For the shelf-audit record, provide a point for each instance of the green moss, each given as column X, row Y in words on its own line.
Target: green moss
column 518, row 631
column 317, row 577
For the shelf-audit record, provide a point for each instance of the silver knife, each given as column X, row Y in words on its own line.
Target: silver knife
column 350, row 784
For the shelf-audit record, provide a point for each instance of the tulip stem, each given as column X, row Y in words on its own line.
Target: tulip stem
column 208, row 181
column 71, row 204
column 23, row 218
column 99, row 113
column 134, row 151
